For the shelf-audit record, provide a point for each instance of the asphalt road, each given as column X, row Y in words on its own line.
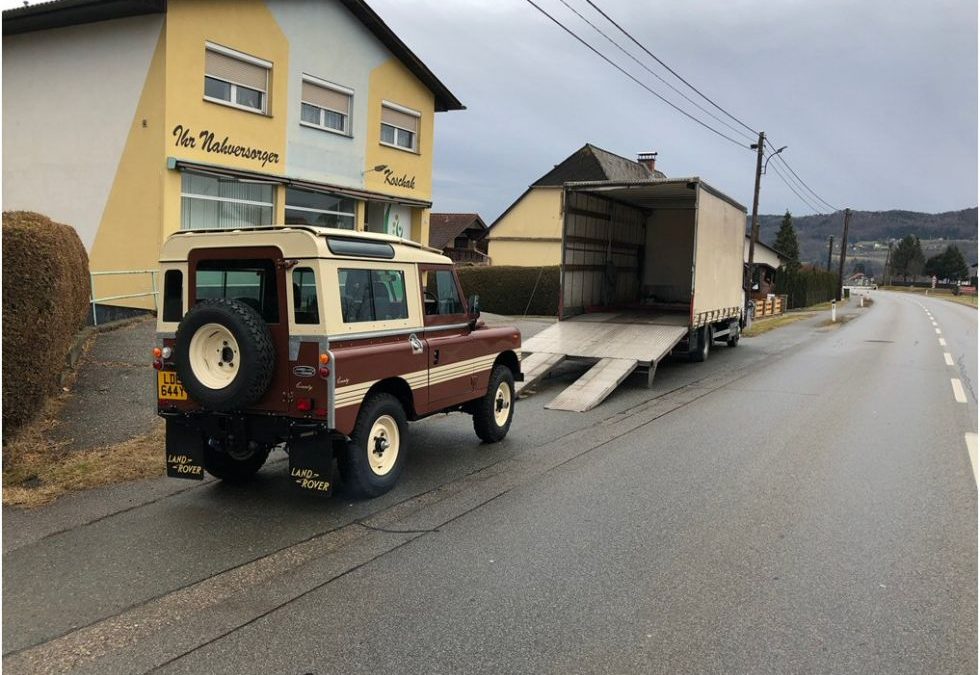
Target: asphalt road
column 803, row 503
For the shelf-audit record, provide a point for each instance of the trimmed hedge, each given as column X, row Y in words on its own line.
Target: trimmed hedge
column 508, row 290
column 807, row 286
column 45, row 303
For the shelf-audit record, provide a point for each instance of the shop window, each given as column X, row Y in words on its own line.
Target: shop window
column 236, row 79
column 325, row 106
column 441, row 294
column 399, row 126
column 209, row 203
column 372, row 295
column 304, row 207
column 173, row 295
column 252, row 282
column 305, row 307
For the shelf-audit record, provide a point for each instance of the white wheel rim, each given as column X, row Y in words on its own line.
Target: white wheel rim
column 214, row 356
column 501, row 404
column 382, row 445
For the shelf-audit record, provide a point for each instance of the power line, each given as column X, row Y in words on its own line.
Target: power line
column 632, row 77
column 808, row 188
column 794, row 190
column 654, row 73
column 671, row 70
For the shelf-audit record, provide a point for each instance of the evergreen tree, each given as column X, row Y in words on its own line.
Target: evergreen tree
column 950, row 264
column 787, row 244
column 908, row 259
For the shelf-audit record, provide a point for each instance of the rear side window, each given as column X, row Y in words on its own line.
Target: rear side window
column 372, row 295
column 305, row 306
column 173, row 295
column 252, row 282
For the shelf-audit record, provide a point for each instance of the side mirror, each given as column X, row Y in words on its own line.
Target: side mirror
column 474, row 303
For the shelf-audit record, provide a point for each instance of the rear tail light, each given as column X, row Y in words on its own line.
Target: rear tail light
column 324, row 372
column 304, row 404
column 157, row 364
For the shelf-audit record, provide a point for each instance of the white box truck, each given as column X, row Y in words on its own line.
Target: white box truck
column 648, row 268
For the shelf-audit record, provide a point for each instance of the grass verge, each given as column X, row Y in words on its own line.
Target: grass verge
column 760, row 326
column 940, row 293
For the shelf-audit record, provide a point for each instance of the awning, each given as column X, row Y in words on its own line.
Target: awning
column 299, row 183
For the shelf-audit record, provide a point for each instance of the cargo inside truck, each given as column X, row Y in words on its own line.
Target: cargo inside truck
column 648, row 268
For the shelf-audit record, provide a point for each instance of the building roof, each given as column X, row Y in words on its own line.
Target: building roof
column 590, row 163
column 445, row 227
column 62, row 13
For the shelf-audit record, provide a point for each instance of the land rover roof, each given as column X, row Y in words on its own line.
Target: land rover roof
column 301, row 241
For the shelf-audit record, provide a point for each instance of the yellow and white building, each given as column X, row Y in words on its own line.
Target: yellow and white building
column 132, row 119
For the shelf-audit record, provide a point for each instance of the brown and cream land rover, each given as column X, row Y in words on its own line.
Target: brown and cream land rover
column 324, row 341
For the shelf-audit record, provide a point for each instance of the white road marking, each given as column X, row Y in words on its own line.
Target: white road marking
column 942, row 342
column 938, row 332
column 971, row 448
column 948, row 357
column 958, row 392
column 934, row 323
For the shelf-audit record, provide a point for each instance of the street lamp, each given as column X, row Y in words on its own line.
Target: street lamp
column 771, row 156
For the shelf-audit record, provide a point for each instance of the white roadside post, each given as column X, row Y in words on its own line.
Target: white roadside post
column 833, row 311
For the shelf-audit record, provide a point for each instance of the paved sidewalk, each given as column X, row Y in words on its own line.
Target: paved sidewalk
column 112, row 399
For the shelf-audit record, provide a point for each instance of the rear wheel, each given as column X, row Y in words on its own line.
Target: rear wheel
column 704, row 338
column 371, row 462
column 494, row 412
column 234, row 466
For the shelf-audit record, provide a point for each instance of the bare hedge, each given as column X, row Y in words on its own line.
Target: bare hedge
column 513, row 290
column 45, row 303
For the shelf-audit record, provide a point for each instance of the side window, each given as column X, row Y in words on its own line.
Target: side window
column 372, row 295
column 173, row 295
column 305, row 307
column 441, row 294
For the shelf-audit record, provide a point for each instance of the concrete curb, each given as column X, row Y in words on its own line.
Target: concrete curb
column 81, row 339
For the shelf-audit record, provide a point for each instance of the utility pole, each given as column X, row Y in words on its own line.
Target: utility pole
column 843, row 254
column 830, row 251
column 760, row 148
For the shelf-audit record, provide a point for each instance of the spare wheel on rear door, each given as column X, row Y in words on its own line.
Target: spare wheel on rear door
column 224, row 354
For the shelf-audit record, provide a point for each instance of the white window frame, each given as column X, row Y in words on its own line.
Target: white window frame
column 414, row 134
column 307, row 209
column 348, row 127
column 255, row 61
column 230, row 200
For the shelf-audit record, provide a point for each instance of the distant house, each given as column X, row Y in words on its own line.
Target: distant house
column 767, row 261
column 528, row 233
column 461, row 236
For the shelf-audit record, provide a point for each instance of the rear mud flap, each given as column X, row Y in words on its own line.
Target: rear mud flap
column 311, row 464
column 185, row 451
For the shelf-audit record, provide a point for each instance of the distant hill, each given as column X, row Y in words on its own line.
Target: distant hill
column 957, row 227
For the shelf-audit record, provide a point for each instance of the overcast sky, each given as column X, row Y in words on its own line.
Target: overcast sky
column 876, row 99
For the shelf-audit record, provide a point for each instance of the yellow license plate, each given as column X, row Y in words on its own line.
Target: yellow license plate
column 169, row 387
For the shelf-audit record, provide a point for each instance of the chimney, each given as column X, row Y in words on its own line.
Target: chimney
column 648, row 160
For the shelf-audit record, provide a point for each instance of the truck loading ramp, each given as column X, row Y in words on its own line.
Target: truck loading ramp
column 619, row 342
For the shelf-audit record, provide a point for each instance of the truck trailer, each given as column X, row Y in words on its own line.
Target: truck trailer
column 649, row 268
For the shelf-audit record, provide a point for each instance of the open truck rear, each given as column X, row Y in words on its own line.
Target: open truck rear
column 648, row 268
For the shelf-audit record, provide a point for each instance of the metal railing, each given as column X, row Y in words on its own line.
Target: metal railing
column 154, row 292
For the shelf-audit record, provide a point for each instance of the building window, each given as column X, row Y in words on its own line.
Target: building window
column 399, row 127
column 372, row 295
column 210, row 203
column 461, row 242
column 325, row 106
column 236, row 79
column 304, row 207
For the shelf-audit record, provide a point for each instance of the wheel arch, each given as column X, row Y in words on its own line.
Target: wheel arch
column 509, row 358
column 398, row 388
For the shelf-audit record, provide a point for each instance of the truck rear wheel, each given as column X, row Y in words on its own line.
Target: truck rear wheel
column 734, row 333
column 493, row 414
column 700, row 354
column 371, row 462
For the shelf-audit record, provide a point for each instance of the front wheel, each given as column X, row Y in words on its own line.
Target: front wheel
column 494, row 412
column 371, row 462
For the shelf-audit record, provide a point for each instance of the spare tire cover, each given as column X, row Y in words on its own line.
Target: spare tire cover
column 224, row 354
